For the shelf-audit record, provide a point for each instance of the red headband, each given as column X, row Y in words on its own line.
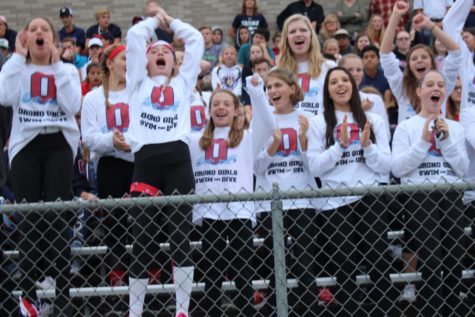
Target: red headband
column 159, row 43
column 116, row 51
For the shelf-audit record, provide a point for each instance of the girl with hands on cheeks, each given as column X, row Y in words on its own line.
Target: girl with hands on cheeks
column 429, row 149
column 45, row 95
column 420, row 61
column 348, row 148
column 286, row 146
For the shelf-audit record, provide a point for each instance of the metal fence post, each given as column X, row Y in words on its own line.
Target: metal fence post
column 279, row 252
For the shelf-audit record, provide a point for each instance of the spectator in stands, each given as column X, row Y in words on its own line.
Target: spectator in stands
column 218, row 37
column 249, row 17
column 454, row 101
column 229, row 221
column 257, row 66
column 342, row 36
column 149, row 68
column 420, row 60
column 104, row 122
column 300, row 215
column 41, row 151
column 95, row 51
column 7, row 33
column 212, row 51
column 355, row 227
column 301, row 54
column 352, row 15
column 242, row 37
column 330, row 25
column 276, row 43
column 93, row 78
column 331, row 49
column 439, row 52
column 4, row 52
column 362, row 40
column 428, row 149
column 373, row 74
column 402, row 47
column 69, row 53
column 375, row 29
column 69, row 30
column 309, row 8
column 370, row 102
column 384, row 9
column 469, row 38
column 227, row 74
column 435, row 10
column 260, row 37
column 103, row 25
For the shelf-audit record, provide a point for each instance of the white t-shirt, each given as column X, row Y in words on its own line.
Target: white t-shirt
column 467, row 120
column 433, row 8
column 228, row 78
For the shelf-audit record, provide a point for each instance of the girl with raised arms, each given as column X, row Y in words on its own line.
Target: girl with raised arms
column 160, row 98
column 419, row 60
column 45, row 95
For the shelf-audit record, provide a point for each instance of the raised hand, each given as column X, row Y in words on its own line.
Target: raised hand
column 365, row 136
column 367, row 104
column 426, row 133
column 442, row 127
column 21, row 43
column 344, row 137
column 401, row 8
column 119, row 141
column 420, row 21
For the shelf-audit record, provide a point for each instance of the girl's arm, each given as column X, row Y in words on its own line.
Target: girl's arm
column 262, row 123
column 10, row 79
column 215, row 82
column 467, row 120
column 68, row 87
column 378, row 156
column 136, row 51
column 194, row 50
column 399, row 10
column 92, row 135
column 406, row 156
column 320, row 159
column 454, row 151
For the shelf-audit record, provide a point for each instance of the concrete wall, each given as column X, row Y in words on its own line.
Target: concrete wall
column 198, row 12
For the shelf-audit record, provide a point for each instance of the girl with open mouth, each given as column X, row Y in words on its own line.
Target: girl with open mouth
column 45, row 95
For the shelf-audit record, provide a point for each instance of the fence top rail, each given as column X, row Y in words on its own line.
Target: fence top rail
column 276, row 194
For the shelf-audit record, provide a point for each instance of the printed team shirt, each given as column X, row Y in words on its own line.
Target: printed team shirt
column 41, row 97
column 159, row 106
column 228, row 78
column 349, row 167
column 312, row 87
column 199, row 115
column 98, row 122
column 417, row 161
column 220, row 169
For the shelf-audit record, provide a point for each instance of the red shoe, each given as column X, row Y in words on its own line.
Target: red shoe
column 259, row 298
column 154, row 276
column 182, row 314
column 326, row 296
column 117, row 278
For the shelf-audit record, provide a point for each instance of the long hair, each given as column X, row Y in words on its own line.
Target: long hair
column 372, row 33
column 243, row 8
column 410, row 81
column 290, row 79
column 235, row 134
column 106, row 72
column 324, row 31
column 329, row 108
column 286, row 58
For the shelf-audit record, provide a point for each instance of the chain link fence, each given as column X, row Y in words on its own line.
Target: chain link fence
column 386, row 251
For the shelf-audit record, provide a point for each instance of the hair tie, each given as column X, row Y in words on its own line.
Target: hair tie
column 116, row 51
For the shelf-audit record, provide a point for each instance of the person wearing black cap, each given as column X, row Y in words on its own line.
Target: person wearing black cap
column 69, row 29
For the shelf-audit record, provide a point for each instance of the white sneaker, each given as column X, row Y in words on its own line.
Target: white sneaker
column 47, row 283
column 408, row 293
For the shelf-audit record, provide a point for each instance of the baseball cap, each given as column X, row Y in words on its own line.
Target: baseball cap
column 95, row 41
column 4, row 43
column 342, row 32
column 64, row 12
column 3, row 19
